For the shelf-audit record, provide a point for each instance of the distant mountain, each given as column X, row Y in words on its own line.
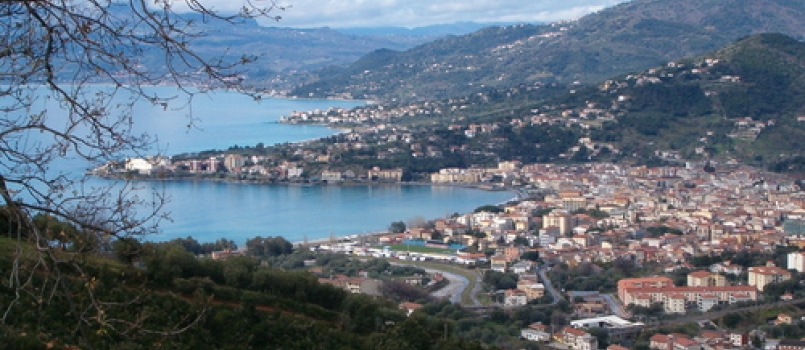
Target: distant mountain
column 627, row 37
column 281, row 50
column 289, row 49
column 433, row 31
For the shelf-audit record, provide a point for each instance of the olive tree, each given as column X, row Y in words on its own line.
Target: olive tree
column 53, row 56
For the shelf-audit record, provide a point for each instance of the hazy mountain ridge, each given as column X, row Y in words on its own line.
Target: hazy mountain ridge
column 627, row 37
column 436, row 30
column 285, row 52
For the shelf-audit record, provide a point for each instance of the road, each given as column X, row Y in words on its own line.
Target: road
column 476, row 289
column 453, row 289
column 549, row 286
column 616, row 306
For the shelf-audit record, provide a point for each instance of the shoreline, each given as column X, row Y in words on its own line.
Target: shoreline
column 474, row 186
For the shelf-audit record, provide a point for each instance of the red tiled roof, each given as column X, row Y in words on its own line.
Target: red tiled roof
column 699, row 274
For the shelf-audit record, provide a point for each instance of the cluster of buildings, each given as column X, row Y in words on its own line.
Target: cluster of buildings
column 705, row 289
column 605, row 212
column 645, row 291
column 705, row 340
column 576, row 335
column 256, row 167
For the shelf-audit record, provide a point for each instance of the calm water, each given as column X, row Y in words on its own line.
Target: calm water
column 212, row 210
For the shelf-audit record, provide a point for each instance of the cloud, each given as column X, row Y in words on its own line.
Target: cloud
column 416, row 13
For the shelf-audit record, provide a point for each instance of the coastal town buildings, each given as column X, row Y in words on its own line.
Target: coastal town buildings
column 576, row 339
column 796, row 261
column 760, row 276
column 604, row 213
column 678, row 299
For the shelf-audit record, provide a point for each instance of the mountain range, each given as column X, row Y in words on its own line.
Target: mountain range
column 628, row 37
column 741, row 102
column 284, row 52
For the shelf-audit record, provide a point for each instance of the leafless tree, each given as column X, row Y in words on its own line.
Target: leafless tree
column 53, row 55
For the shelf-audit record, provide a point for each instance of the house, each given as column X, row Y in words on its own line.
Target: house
column 673, row 341
column 515, row 297
column 354, row 284
column 587, row 304
column 225, row 254
column 783, row 319
column 532, row 289
column 706, row 278
column 535, row 333
column 499, row 263
column 522, row 267
column 576, row 339
column 410, row 307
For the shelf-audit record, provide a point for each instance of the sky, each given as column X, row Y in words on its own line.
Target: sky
column 418, row 13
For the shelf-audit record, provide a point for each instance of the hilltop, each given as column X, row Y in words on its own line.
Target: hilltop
column 628, row 37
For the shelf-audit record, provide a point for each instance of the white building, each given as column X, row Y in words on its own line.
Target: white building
column 534, row 335
column 139, row 165
column 145, row 166
column 515, row 297
column 707, row 301
column 796, row 261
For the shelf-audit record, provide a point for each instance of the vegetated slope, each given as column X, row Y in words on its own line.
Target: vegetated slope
column 742, row 101
column 175, row 300
column 627, row 37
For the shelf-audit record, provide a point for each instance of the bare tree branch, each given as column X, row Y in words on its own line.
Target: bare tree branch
column 53, row 56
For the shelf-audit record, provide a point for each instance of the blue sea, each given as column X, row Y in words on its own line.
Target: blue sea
column 209, row 210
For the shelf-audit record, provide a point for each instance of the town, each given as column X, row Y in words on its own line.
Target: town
column 666, row 221
column 698, row 238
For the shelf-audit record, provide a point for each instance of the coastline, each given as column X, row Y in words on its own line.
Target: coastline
column 191, row 179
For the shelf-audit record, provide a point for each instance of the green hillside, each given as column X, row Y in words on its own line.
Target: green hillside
column 624, row 38
column 740, row 102
column 65, row 299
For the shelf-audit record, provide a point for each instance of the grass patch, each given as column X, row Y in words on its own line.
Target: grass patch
column 420, row 249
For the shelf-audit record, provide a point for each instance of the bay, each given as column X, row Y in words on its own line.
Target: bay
column 209, row 210
column 212, row 210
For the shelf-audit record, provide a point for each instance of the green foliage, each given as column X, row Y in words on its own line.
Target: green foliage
column 530, row 255
column 660, row 230
column 181, row 302
column 488, row 209
column 269, row 246
column 397, row 227
column 500, row 280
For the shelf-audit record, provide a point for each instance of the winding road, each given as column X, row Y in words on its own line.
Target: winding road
column 453, row 289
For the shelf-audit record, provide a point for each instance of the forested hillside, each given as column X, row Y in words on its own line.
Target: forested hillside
column 628, row 37
column 134, row 295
